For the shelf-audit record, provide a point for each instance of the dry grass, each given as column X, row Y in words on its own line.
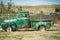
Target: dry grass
column 30, row 35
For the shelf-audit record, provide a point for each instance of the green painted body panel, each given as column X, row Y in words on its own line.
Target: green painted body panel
column 36, row 24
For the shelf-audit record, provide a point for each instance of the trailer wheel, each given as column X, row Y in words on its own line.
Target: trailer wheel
column 42, row 28
column 8, row 29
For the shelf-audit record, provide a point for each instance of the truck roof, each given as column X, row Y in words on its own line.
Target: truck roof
column 23, row 12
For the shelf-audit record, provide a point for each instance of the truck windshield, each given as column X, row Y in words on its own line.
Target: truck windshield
column 22, row 14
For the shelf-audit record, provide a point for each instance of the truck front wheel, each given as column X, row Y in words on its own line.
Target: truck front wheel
column 8, row 29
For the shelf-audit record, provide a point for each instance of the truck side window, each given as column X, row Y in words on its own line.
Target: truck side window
column 24, row 15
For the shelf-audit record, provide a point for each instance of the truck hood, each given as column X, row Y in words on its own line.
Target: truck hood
column 8, row 20
column 12, row 20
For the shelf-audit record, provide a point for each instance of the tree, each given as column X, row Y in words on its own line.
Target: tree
column 9, row 6
column 20, row 8
column 57, row 9
column 2, row 7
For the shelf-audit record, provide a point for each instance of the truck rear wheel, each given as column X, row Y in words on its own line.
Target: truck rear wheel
column 14, row 28
column 42, row 28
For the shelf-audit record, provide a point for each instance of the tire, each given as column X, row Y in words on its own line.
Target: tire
column 14, row 28
column 8, row 29
column 42, row 28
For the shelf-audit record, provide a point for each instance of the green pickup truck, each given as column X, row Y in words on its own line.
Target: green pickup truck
column 22, row 20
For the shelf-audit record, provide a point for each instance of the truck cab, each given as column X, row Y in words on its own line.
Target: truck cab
column 22, row 20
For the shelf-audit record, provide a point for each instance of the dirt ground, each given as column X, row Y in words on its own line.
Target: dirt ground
column 53, row 34
column 30, row 35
